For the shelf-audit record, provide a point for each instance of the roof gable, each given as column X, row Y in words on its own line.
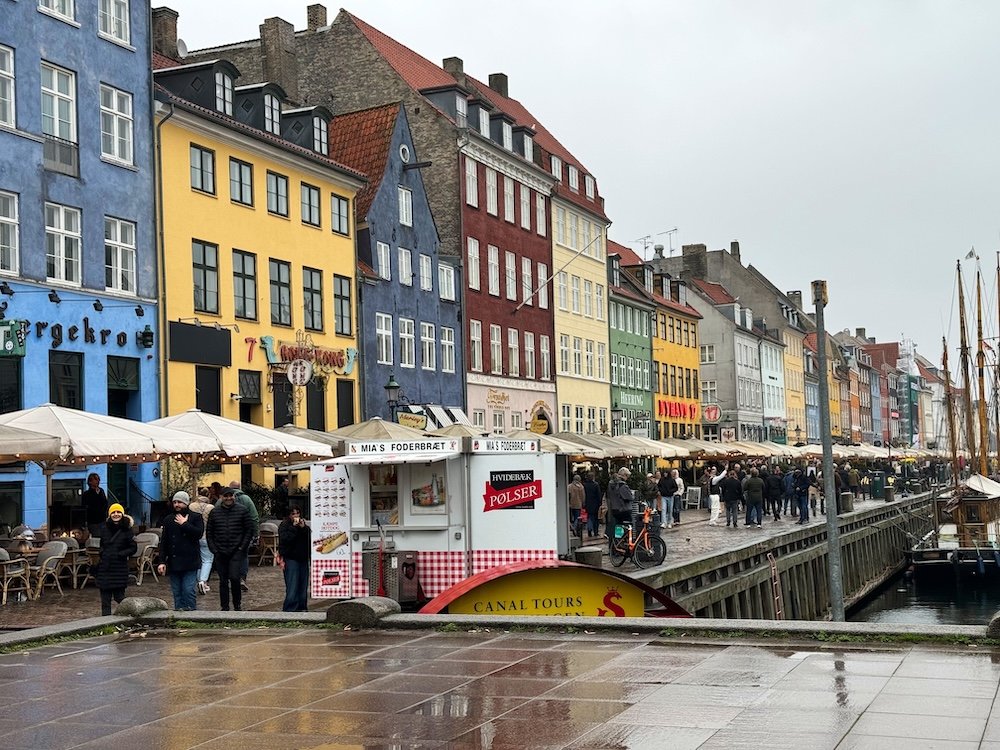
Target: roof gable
column 716, row 293
column 362, row 140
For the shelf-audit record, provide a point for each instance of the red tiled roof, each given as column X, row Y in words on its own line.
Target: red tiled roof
column 668, row 303
column 162, row 61
column 928, row 374
column 361, row 140
column 367, row 270
column 715, row 292
column 628, row 256
column 810, row 342
column 883, row 354
column 419, row 73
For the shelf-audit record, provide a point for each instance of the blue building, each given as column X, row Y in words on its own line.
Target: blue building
column 77, row 242
column 409, row 296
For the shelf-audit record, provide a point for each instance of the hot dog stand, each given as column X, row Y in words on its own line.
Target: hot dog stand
column 410, row 518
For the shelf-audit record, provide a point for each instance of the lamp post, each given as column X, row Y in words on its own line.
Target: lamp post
column 393, row 395
column 617, row 414
column 798, row 435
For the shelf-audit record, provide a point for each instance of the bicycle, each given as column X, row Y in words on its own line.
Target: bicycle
column 644, row 548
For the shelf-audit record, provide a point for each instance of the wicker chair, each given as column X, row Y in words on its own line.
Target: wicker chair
column 13, row 576
column 46, row 567
column 148, row 545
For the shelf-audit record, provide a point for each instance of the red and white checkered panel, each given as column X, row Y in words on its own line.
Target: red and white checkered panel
column 358, row 580
column 440, row 570
column 484, row 559
column 331, row 578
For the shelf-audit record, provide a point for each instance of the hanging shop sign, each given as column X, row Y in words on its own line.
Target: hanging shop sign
column 711, row 413
column 13, row 335
column 325, row 361
column 300, row 372
column 540, row 422
column 409, row 419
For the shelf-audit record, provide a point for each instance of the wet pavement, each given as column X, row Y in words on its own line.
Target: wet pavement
column 381, row 690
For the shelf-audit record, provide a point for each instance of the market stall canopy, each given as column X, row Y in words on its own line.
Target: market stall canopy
column 755, row 450
column 318, row 435
column 460, row 430
column 240, row 441
column 377, row 428
column 660, row 448
column 607, row 445
column 553, row 444
column 24, row 445
column 705, row 448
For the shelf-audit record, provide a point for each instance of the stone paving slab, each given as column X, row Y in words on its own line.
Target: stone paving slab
column 330, row 689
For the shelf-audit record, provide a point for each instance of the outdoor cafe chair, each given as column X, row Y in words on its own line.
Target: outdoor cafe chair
column 75, row 564
column 148, row 544
column 268, row 546
column 13, row 576
column 46, row 567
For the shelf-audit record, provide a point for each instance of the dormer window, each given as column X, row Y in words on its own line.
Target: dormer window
column 557, row 168
column 484, row 122
column 574, row 179
column 616, row 274
column 529, row 147
column 647, row 278
column 223, row 93
column 320, row 142
column 272, row 114
column 461, row 110
column 508, row 136
column 588, row 185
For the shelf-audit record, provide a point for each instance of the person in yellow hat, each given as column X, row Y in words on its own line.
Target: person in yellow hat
column 117, row 546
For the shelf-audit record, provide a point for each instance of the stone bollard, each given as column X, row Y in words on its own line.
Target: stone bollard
column 589, row 556
column 846, row 502
column 890, row 494
column 363, row 612
column 137, row 606
column 993, row 628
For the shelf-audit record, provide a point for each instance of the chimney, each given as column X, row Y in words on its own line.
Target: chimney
column 796, row 298
column 498, row 82
column 316, row 17
column 695, row 260
column 860, row 333
column 165, row 32
column 454, row 67
column 278, row 63
column 734, row 250
column 657, row 251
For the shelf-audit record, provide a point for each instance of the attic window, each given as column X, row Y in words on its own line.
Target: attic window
column 272, row 114
column 320, row 136
column 529, row 148
column 508, row 136
column 557, row 168
column 484, row 122
column 461, row 110
column 588, row 184
column 574, row 179
column 404, row 153
column 223, row 93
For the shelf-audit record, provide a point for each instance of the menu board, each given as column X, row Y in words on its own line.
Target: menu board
column 330, row 500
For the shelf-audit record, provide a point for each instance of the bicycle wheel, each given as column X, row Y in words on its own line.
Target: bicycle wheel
column 618, row 551
column 649, row 551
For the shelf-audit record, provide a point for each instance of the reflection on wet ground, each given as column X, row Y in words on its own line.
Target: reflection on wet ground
column 382, row 690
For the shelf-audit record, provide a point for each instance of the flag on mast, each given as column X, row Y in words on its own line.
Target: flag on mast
column 971, row 254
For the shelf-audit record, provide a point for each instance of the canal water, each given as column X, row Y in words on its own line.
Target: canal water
column 940, row 602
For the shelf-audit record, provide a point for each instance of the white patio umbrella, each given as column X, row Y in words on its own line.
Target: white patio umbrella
column 610, row 448
column 85, row 438
column 377, row 428
column 24, row 445
column 553, row 444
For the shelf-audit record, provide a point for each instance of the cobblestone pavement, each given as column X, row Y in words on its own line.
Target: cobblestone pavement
column 391, row 690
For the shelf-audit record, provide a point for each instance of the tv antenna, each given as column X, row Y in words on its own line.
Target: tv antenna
column 647, row 240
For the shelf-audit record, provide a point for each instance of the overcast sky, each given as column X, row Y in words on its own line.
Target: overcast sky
column 849, row 140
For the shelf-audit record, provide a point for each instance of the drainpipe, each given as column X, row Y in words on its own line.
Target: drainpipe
column 164, row 340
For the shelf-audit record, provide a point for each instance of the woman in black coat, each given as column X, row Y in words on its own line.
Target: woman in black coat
column 117, row 546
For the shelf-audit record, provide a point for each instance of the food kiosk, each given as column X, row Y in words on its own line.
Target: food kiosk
column 430, row 512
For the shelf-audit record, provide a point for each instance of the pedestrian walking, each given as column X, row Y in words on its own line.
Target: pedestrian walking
column 180, row 551
column 678, row 496
column 753, row 490
column 667, row 487
column 293, row 559
column 800, row 485
column 731, row 491
column 117, row 546
column 244, row 499
column 230, row 530
column 204, row 508
column 576, row 495
column 592, row 502
column 620, row 499
column 774, row 489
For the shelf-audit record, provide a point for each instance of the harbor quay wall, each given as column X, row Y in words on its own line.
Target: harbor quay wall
column 745, row 583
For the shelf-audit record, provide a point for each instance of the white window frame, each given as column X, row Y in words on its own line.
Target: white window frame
column 119, row 255
column 491, row 191
column 577, row 355
column 224, row 93
column 117, row 124
column 529, row 355
column 560, row 226
column 383, row 337
column 513, row 352
column 498, row 423
column 476, row 345
column 446, row 281
column 556, row 167
column 484, row 122
column 575, row 294
column 461, row 110
column 493, row 269
column 545, row 356
column 543, row 286
column 588, row 186
column 574, row 178
column 479, row 418
column 516, row 420
column 64, row 9
column 707, row 354
column 541, row 218
column 526, row 288
column 428, row 346
column 588, row 298
column 447, row 349
column 507, row 131
column 426, row 273
column 471, row 182
column 563, row 353
column 561, row 290
column 529, row 147
column 404, row 260
column 566, row 418
column 602, row 360
column 525, row 196
column 405, row 206
column 407, row 344
column 10, row 230
column 64, row 246
column 272, row 114
column 473, row 262
column 510, row 273
column 709, row 392
column 321, row 136
column 8, row 109
column 588, row 358
column 508, row 199
column 383, row 254
column 496, row 349
column 614, row 369
column 599, row 301
column 63, row 123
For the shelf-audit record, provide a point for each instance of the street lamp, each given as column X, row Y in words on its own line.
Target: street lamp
column 798, row 435
column 617, row 413
column 394, row 395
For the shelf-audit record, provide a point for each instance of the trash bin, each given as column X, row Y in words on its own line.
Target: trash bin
column 890, row 494
column 846, row 502
column 878, row 485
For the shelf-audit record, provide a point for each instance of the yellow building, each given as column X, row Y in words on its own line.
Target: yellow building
column 795, row 389
column 675, row 413
column 836, row 426
column 257, row 256
column 580, row 287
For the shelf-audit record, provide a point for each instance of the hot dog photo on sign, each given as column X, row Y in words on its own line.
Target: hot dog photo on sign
column 331, row 524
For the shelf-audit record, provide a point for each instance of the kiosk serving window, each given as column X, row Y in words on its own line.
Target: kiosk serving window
column 383, row 484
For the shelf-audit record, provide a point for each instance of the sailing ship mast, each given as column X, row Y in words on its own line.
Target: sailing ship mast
column 949, row 407
column 970, row 435
column 984, row 445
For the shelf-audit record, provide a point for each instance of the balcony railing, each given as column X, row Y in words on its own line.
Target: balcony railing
column 61, row 156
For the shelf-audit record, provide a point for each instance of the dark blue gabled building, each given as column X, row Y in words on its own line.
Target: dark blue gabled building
column 409, row 296
column 77, row 241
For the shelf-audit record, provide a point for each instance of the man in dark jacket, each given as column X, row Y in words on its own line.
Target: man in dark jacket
column 180, row 552
column 731, row 491
column 245, row 500
column 95, row 501
column 592, row 502
column 668, row 488
column 230, row 530
column 754, row 491
column 293, row 557
column 620, row 499
column 279, row 498
column 774, row 488
column 800, row 484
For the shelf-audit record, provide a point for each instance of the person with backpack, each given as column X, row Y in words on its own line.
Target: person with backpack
column 620, row 499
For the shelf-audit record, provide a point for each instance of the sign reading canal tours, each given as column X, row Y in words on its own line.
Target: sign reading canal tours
column 330, row 568
column 511, row 489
